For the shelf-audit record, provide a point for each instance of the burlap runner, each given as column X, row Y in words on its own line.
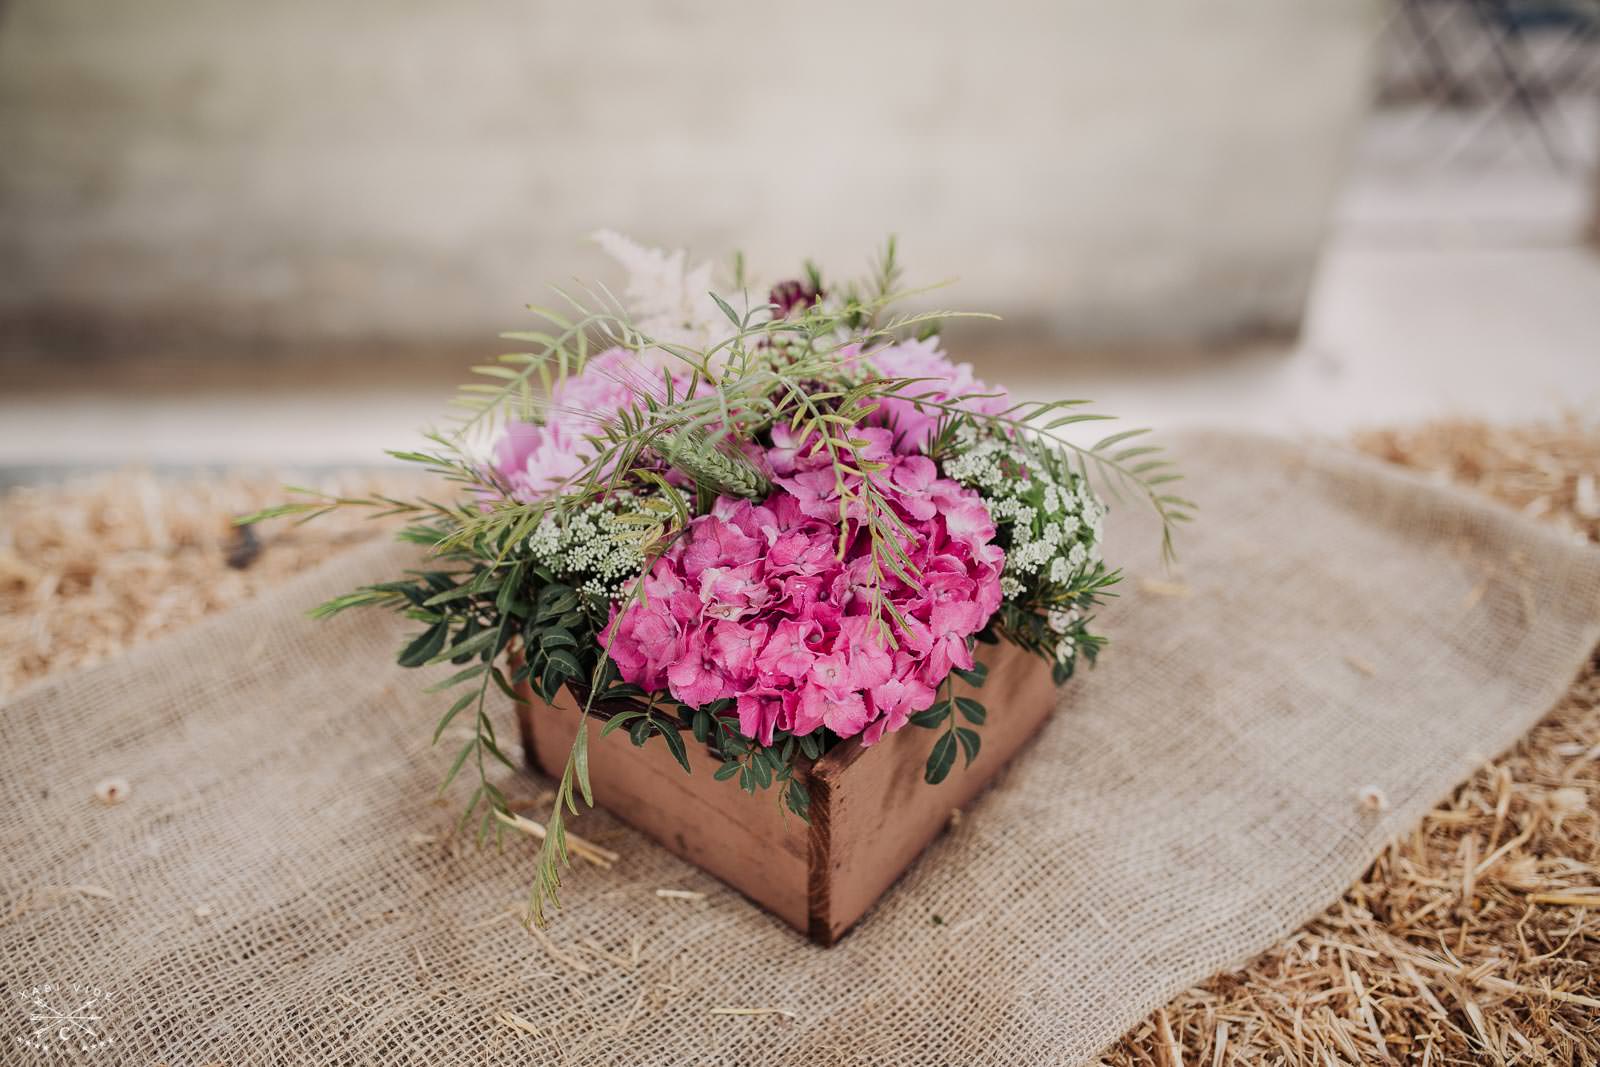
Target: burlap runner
column 280, row 887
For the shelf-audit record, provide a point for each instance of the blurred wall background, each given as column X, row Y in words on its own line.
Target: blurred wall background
column 228, row 178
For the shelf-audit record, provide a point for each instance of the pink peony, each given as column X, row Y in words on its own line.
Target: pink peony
column 948, row 382
column 754, row 605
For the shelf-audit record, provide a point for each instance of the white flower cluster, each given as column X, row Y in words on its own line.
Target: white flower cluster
column 1064, row 624
column 590, row 548
column 1055, row 524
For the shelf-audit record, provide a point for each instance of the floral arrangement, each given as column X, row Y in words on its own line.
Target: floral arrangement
column 769, row 523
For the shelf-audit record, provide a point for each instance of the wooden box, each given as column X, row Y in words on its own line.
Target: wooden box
column 871, row 811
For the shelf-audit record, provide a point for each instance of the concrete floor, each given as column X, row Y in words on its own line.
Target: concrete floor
column 1454, row 288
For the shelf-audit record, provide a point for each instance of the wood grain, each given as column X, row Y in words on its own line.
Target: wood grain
column 880, row 814
column 872, row 814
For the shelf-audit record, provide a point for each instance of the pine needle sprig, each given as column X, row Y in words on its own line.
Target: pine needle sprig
column 1138, row 470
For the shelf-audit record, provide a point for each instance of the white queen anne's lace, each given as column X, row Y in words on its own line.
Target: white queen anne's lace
column 591, row 548
column 1055, row 525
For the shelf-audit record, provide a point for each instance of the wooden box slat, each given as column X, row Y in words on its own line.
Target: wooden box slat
column 871, row 812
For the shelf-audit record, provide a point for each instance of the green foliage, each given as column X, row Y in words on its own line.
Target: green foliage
column 1048, row 522
column 474, row 612
column 756, row 766
column 1035, row 427
column 712, row 466
column 946, row 715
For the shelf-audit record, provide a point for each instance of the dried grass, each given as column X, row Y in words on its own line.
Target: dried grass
column 1548, row 471
column 1476, row 939
column 94, row 566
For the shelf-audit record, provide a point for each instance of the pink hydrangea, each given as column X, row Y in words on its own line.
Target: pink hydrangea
column 536, row 459
column 753, row 603
column 914, row 425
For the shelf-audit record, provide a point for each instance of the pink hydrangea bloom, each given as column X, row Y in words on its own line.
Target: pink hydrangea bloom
column 754, row 605
column 538, row 458
column 950, row 382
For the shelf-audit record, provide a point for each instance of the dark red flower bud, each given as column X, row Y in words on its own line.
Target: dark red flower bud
column 791, row 295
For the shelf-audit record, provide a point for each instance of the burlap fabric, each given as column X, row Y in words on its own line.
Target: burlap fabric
column 281, row 888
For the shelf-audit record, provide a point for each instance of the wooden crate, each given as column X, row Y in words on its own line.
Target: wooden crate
column 871, row 812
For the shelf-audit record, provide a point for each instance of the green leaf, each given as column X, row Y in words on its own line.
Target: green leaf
column 941, row 759
column 619, row 720
column 639, row 732
column 798, row 799
column 933, row 717
column 493, row 749
column 726, row 771
column 476, row 643
column 455, row 709
column 472, row 806
column 1117, row 438
column 728, row 311
column 455, row 768
column 1068, row 420
column 460, row 592
column 761, row 772
column 970, row 742
column 975, row 677
column 566, row 663
column 508, row 590
column 506, row 687
column 559, row 606
column 425, row 646
column 580, row 764
column 457, row 678
column 971, row 710
column 674, row 742
column 554, row 638
column 549, row 685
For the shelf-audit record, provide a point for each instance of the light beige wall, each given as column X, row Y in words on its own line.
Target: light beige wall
column 1594, row 210
column 306, row 171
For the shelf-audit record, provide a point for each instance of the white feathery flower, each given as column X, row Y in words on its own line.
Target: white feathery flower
column 667, row 299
